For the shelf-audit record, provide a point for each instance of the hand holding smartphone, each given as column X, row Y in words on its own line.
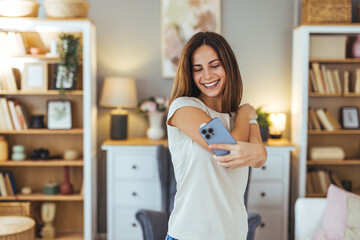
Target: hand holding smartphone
column 215, row 132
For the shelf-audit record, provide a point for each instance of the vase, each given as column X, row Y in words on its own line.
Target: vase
column 4, row 154
column 356, row 47
column 155, row 130
column 66, row 187
column 264, row 132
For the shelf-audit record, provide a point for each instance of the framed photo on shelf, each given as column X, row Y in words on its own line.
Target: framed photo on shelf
column 350, row 117
column 58, row 114
column 63, row 76
column 34, row 77
column 180, row 20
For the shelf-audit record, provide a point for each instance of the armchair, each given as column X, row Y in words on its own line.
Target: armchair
column 155, row 224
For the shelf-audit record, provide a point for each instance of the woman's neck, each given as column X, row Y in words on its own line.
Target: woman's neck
column 212, row 102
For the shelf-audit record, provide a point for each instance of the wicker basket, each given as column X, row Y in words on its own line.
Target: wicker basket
column 15, row 209
column 16, row 228
column 326, row 11
column 66, row 9
column 18, row 8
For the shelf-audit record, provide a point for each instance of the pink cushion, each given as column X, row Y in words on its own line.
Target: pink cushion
column 334, row 220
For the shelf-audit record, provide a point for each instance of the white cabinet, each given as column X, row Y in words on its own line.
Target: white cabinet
column 269, row 193
column 132, row 183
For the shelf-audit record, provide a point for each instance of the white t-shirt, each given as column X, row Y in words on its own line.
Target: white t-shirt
column 209, row 203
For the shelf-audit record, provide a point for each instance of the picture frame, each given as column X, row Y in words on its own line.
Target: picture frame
column 58, row 114
column 180, row 20
column 34, row 77
column 350, row 117
column 61, row 73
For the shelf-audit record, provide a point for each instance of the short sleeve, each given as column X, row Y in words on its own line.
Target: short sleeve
column 184, row 102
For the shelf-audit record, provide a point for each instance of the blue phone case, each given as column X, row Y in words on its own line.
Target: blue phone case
column 215, row 132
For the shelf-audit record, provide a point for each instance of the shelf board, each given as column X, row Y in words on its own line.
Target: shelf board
column 335, row 60
column 44, row 131
column 43, row 197
column 330, row 162
column 42, row 93
column 315, row 194
column 312, row 94
column 46, row 163
column 335, row 132
column 67, row 236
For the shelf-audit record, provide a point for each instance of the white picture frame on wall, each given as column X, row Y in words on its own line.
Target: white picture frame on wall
column 180, row 20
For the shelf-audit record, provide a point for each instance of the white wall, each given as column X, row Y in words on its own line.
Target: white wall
column 128, row 44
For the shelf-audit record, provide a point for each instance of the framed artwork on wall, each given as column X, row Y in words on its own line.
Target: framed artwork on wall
column 58, row 114
column 181, row 19
column 34, row 77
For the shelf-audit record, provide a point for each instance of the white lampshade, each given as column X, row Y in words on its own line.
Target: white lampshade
column 119, row 92
column 278, row 122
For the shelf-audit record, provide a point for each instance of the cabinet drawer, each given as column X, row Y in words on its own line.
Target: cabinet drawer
column 270, row 227
column 126, row 226
column 273, row 168
column 140, row 165
column 265, row 194
column 144, row 195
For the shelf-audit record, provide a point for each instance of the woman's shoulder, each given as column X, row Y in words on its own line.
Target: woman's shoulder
column 187, row 101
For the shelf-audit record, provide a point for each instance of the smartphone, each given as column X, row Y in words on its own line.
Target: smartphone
column 216, row 132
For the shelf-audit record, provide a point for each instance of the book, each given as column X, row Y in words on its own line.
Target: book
column 14, row 116
column 324, row 180
column 24, row 118
column 324, row 121
column 315, row 180
column 332, row 119
column 2, row 185
column 5, row 108
column 313, row 81
column 3, row 125
column 314, row 120
column 334, row 179
column 8, row 184
column 330, row 81
column 318, row 77
column 309, row 184
column 324, row 79
column 346, row 82
column 337, row 80
column 357, row 81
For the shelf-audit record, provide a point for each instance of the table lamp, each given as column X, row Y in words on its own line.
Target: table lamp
column 119, row 92
column 278, row 124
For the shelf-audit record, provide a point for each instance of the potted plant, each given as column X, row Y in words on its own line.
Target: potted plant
column 69, row 63
column 264, row 123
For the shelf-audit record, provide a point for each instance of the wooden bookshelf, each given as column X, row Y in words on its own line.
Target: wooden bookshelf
column 45, row 131
column 342, row 132
column 67, row 236
column 42, row 93
column 43, row 197
column 47, row 163
column 325, row 95
column 331, row 162
column 334, row 60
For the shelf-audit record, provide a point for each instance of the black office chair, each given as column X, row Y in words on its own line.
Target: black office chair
column 154, row 224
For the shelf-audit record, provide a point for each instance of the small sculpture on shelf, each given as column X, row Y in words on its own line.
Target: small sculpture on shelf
column 66, row 187
column 18, row 153
column 48, row 215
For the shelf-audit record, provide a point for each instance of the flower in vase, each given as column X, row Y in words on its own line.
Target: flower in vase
column 154, row 104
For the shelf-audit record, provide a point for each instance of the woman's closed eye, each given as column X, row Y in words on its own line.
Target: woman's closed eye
column 215, row 66
column 197, row 69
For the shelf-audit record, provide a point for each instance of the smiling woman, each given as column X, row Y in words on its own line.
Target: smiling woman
column 208, row 85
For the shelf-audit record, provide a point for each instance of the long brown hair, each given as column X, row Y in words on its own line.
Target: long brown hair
column 184, row 84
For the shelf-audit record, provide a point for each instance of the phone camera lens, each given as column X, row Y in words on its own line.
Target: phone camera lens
column 203, row 131
column 207, row 136
column 211, row 130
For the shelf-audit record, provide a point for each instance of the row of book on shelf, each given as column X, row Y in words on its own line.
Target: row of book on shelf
column 12, row 44
column 323, row 80
column 8, row 79
column 322, row 119
column 7, row 184
column 13, row 115
column 318, row 180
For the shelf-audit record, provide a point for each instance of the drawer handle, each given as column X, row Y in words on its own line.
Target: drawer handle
column 263, row 167
column 134, row 194
column 134, row 167
column 134, row 224
column 262, row 225
column 263, row 194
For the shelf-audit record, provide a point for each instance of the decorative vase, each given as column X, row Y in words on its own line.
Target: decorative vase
column 356, row 47
column 66, row 187
column 264, row 132
column 155, row 130
column 4, row 151
column 18, row 153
